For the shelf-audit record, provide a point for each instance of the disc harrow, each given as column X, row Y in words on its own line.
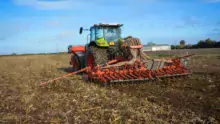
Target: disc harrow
column 140, row 71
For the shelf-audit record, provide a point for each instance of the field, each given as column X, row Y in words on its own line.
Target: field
column 195, row 99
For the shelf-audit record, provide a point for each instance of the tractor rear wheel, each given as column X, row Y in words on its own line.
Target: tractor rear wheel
column 96, row 56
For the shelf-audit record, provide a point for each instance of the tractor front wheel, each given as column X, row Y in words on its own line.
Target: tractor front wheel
column 76, row 63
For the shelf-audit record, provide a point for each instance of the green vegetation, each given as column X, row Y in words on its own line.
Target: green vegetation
column 208, row 43
column 13, row 54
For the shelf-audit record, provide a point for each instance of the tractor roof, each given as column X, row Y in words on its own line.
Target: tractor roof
column 109, row 25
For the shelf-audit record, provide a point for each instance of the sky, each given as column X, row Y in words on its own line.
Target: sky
column 45, row 26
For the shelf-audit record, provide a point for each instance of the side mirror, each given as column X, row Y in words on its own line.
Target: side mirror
column 80, row 30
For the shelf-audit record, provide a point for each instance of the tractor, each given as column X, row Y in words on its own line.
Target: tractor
column 105, row 44
column 108, row 58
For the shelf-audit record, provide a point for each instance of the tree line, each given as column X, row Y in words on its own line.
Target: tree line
column 207, row 43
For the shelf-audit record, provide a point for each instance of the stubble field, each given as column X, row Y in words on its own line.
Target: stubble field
column 70, row 100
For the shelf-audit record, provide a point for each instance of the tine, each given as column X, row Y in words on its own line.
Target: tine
column 103, row 79
column 112, row 77
column 129, row 77
column 106, row 76
column 117, row 76
column 122, row 76
column 133, row 75
column 145, row 75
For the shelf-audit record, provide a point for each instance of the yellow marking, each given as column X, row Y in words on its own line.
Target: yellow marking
column 112, row 43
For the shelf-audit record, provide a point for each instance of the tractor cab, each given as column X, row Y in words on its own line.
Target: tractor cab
column 104, row 35
column 105, row 41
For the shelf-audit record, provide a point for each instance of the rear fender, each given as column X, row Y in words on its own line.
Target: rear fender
column 78, row 49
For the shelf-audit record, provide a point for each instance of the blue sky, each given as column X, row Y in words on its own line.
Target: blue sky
column 35, row 26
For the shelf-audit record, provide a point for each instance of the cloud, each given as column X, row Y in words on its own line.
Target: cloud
column 214, row 34
column 9, row 31
column 66, row 33
column 2, row 38
column 179, row 26
column 76, row 4
column 54, row 23
column 211, row 1
column 216, row 30
column 218, row 23
column 52, row 4
column 191, row 21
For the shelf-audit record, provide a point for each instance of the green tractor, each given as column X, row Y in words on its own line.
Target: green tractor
column 105, row 44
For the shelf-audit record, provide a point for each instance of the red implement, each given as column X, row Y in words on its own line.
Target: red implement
column 139, row 71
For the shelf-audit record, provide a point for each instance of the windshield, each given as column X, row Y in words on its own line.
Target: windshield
column 111, row 34
column 96, row 33
column 99, row 32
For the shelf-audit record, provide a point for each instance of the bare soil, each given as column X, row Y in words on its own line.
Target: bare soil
column 193, row 99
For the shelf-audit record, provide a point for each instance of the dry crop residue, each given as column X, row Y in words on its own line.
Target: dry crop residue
column 70, row 100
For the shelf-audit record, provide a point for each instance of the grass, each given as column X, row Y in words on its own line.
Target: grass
column 71, row 100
